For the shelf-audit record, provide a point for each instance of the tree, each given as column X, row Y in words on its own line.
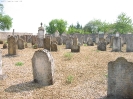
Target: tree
column 56, row 24
column 93, row 26
column 123, row 24
column 5, row 20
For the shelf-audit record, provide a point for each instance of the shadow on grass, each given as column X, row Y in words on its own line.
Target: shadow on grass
column 27, row 86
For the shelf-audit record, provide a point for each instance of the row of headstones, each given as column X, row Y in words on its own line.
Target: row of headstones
column 120, row 74
column 116, row 43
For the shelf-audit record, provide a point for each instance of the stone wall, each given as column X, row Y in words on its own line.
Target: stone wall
column 3, row 35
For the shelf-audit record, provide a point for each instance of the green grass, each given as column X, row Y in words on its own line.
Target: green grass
column 19, row 64
column 85, row 44
column 97, row 50
column 68, row 55
column 69, row 79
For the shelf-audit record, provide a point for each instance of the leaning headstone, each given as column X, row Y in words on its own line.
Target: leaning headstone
column 20, row 43
column 120, row 79
column 47, row 43
column 12, row 47
column 101, row 45
column 2, row 76
column 43, row 67
column 116, row 44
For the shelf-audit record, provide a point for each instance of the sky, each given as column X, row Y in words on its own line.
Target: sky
column 28, row 14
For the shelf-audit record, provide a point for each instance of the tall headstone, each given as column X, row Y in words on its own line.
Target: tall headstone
column 120, row 79
column 53, row 46
column 116, row 44
column 59, row 40
column 43, row 67
column 47, row 43
column 20, row 43
column 129, row 44
column 69, row 43
column 75, row 47
column 90, row 41
column 12, row 47
column 40, row 37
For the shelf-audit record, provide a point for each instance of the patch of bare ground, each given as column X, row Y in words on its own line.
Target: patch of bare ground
column 88, row 69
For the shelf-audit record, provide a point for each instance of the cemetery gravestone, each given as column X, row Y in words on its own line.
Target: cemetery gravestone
column 47, row 43
column 129, row 44
column 12, row 47
column 53, row 46
column 20, row 43
column 59, row 40
column 75, row 47
column 120, row 79
column 116, row 44
column 101, row 45
column 90, row 41
column 43, row 67
column 69, row 43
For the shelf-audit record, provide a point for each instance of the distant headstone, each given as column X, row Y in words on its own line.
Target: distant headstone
column 43, row 67
column 47, row 43
column 111, row 41
column 116, row 44
column 40, row 37
column 90, row 41
column 129, row 44
column 120, row 79
column 53, row 46
column 59, row 40
column 20, row 43
column 56, row 34
column 75, row 48
column 69, row 43
column 101, row 45
column 12, row 47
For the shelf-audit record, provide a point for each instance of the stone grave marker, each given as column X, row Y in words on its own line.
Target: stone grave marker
column 75, row 47
column 43, row 67
column 20, row 43
column 59, row 40
column 12, row 46
column 90, row 41
column 129, row 44
column 120, row 79
column 69, row 43
column 101, row 44
column 116, row 44
column 47, row 43
column 53, row 46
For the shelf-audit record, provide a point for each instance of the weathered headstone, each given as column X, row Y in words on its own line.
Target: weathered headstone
column 47, row 43
column 120, row 79
column 20, row 43
column 75, row 41
column 53, row 46
column 43, row 67
column 101, row 45
column 116, row 44
column 34, row 39
column 90, row 41
column 69, row 43
column 56, row 34
column 40, row 37
column 12, row 47
column 59, row 40
column 129, row 44
column 75, row 48
column 111, row 41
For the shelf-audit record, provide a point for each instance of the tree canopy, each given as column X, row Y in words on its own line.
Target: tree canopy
column 5, row 20
column 56, row 24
